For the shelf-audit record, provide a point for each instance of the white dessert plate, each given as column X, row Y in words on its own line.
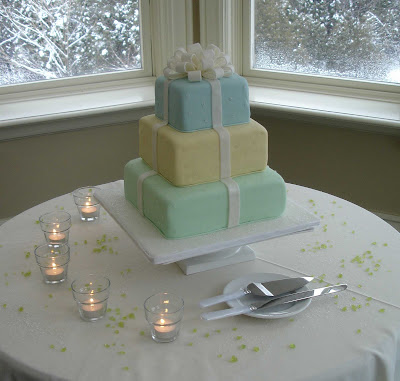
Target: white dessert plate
column 277, row 312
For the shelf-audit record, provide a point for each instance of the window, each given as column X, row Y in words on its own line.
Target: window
column 52, row 39
column 348, row 76
column 335, row 38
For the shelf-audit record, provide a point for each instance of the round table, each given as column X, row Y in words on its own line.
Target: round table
column 354, row 336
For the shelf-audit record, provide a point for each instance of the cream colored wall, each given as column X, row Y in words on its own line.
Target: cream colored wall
column 361, row 167
column 358, row 166
column 35, row 169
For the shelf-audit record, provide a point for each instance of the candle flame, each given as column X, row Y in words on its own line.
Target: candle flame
column 54, row 265
column 162, row 321
column 91, row 300
column 54, row 231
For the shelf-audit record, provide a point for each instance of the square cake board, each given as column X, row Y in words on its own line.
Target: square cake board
column 202, row 252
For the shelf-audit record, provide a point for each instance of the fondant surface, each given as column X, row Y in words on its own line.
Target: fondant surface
column 189, row 103
column 180, row 212
column 194, row 158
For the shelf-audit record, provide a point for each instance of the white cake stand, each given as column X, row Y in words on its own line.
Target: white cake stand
column 204, row 252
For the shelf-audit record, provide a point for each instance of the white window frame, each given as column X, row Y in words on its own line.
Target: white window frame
column 100, row 99
column 346, row 103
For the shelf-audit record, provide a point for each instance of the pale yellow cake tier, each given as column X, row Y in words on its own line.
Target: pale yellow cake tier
column 189, row 158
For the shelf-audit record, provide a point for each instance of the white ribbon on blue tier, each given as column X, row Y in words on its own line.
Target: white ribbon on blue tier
column 211, row 64
column 197, row 63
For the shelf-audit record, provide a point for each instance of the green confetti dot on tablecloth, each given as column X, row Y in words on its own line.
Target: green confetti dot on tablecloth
column 109, row 309
column 382, row 310
column 51, row 346
column 354, row 307
column 340, row 276
column 234, row 329
column 131, row 315
column 112, row 318
column 358, row 331
column 233, row 359
column 238, row 337
column 125, row 368
column 121, row 324
column 291, row 319
column 141, row 333
column 27, row 255
column 116, row 331
column 123, row 295
column 63, row 349
column 206, row 335
column 385, row 244
column 218, row 330
column 243, row 346
column 107, row 345
column 292, row 346
column 344, row 309
column 256, row 349
column 359, row 286
column 108, row 325
column 373, row 243
column 190, row 344
column 27, row 274
column 194, row 330
column 20, row 309
column 50, row 296
column 121, row 353
column 4, row 305
column 219, row 356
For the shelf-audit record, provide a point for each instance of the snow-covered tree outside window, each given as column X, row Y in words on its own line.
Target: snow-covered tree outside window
column 352, row 39
column 49, row 39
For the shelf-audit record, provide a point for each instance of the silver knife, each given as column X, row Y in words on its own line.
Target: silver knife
column 297, row 296
column 271, row 288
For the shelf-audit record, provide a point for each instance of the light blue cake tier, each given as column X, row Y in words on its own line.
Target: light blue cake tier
column 180, row 212
column 189, row 103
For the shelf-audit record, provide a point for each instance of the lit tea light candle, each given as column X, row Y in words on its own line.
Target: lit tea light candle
column 92, row 308
column 89, row 210
column 54, row 273
column 164, row 328
column 57, row 237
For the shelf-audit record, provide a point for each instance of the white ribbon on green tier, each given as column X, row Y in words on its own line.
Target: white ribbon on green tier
column 139, row 189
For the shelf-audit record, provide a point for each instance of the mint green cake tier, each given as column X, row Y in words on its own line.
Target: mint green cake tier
column 189, row 103
column 180, row 212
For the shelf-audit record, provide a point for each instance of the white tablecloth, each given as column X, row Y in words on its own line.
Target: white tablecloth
column 352, row 337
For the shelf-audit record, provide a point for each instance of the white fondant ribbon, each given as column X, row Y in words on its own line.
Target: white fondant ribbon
column 209, row 63
column 154, row 130
column 224, row 137
column 234, row 201
column 139, row 189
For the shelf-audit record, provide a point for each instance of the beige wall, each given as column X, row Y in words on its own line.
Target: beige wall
column 361, row 167
column 358, row 166
column 38, row 168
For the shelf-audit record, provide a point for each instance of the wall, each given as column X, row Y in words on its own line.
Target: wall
column 358, row 166
column 38, row 168
column 361, row 167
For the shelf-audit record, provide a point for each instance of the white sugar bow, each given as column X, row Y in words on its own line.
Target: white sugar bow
column 196, row 62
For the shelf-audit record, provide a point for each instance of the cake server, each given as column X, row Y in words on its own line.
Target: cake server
column 295, row 297
column 272, row 288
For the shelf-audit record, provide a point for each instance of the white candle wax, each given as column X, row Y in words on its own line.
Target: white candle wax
column 92, row 309
column 89, row 211
column 164, row 329
column 56, row 237
column 55, row 273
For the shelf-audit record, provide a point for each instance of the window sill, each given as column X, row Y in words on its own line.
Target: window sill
column 341, row 108
column 42, row 112
column 75, row 107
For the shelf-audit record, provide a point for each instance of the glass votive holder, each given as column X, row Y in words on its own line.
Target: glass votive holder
column 91, row 294
column 55, row 226
column 164, row 313
column 87, row 204
column 53, row 262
